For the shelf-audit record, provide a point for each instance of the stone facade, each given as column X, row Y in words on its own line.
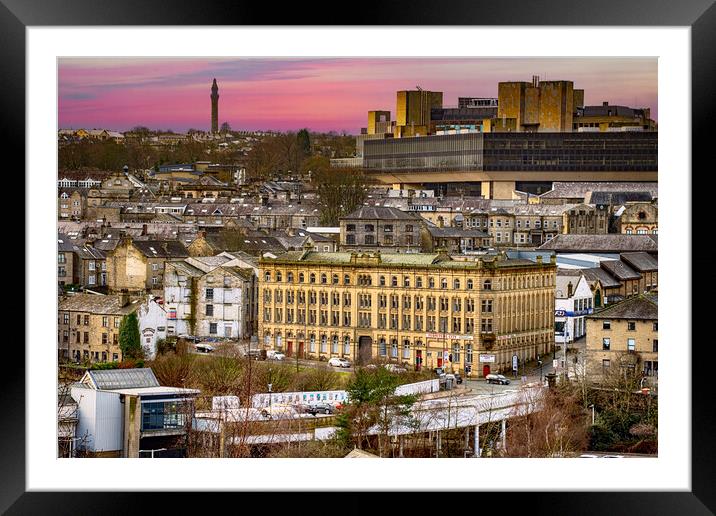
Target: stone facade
column 418, row 309
column 624, row 338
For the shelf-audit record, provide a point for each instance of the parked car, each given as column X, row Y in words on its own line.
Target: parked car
column 256, row 354
column 497, row 378
column 190, row 338
column 320, row 408
column 204, row 348
column 339, row 362
column 393, row 368
column 274, row 355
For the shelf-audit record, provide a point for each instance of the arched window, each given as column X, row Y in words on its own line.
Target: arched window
column 487, row 285
column 469, row 284
column 394, row 348
column 346, row 279
column 456, row 284
column 443, row 283
column 406, row 349
column 431, row 283
column 334, row 344
column 347, row 345
column 382, row 281
column 324, row 278
column 289, row 277
column 381, row 347
column 324, row 344
column 267, row 339
column 312, row 277
column 267, row 276
column 406, row 281
column 393, row 281
column 301, row 277
column 419, row 282
column 312, row 343
column 335, row 279
column 279, row 341
column 278, row 276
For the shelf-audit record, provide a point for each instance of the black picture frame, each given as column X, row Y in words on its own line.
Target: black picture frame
column 700, row 15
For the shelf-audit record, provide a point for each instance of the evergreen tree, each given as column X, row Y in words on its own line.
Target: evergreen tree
column 304, row 142
column 129, row 339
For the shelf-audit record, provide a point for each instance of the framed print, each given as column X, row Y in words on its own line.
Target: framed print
column 427, row 234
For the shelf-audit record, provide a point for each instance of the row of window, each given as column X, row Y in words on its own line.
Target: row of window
column 477, row 223
column 385, row 321
column 95, row 355
column 366, row 279
column 631, row 325
column 370, row 228
column 86, row 320
column 631, row 345
column 370, row 240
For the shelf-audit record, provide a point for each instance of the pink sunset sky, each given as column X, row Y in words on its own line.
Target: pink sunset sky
column 322, row 94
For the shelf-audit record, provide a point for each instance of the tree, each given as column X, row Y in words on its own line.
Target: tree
column 129, row 339
column 304, row 142
column 225, row 128
column 372, row 402
column 340, row 192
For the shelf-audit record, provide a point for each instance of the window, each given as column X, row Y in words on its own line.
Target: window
column 631, row 345
column 394, row 348
column 606, row 342
column 105, row 321
column 105, row 338
column 86, row 320
column 301, row 277
column 606, row 363
column 334, row 279
column 212, row 328
column 388, row 228
column 431, row 283
column 312, row 277
column 655, row 326
column 406, row 349
column 655, row 346
column 606, row 325
column 209, row 293
column 444, row 283
column 419, row 282
column 346, row 279
column 406, row 281
column 334, row 344
column 487, row 285
column 278, row 277
column 456, row 284
column 289, row 277
column 369, row 240
column 631, row 325
column 210, row 310
column 469, row 284
column 486, row 306
column 409, row 228
column 350, row 227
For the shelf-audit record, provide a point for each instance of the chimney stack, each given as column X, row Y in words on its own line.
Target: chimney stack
column 123, row 298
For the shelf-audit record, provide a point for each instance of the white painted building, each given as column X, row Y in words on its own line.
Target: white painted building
column 152, row 325
column 573, row 301
column 211, row 296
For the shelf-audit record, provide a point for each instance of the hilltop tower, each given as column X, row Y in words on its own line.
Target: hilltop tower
column 214, row 107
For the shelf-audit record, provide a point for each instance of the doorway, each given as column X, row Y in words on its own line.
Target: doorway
column 365, row 349
column 485, row 369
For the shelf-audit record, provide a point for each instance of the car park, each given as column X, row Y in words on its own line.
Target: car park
column 339, row 362
column 497, row 378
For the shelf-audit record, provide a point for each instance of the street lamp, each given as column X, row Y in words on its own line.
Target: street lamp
column 592, row 407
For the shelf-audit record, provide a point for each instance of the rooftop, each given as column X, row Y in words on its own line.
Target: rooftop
column 643, row 307
column 602, row 243
column 97, row 304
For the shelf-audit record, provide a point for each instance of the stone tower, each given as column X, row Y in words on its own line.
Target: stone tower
column 214, row 108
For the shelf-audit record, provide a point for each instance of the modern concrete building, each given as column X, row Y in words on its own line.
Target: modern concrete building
column 126, row 413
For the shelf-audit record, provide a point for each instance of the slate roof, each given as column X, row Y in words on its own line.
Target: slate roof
column 574, row 189
column 97, row 304
column 642, row 262
column 643, row 307
column 161, row 248
column 615, row 198
column 612, row 243
column 451, row 232
column 87, row 252
column 619, row 270
column 64, row 243
column 599, row 274
column 379, row 213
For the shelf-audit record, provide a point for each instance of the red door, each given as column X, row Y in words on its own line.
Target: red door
column 485, row 369
column 300, row 349
column 289, row 348
column 418, row 359
column 440, row 361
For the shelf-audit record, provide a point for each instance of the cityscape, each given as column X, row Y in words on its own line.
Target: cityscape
column 472, row 272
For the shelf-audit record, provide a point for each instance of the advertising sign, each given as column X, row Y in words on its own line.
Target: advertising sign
column 487, row 358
